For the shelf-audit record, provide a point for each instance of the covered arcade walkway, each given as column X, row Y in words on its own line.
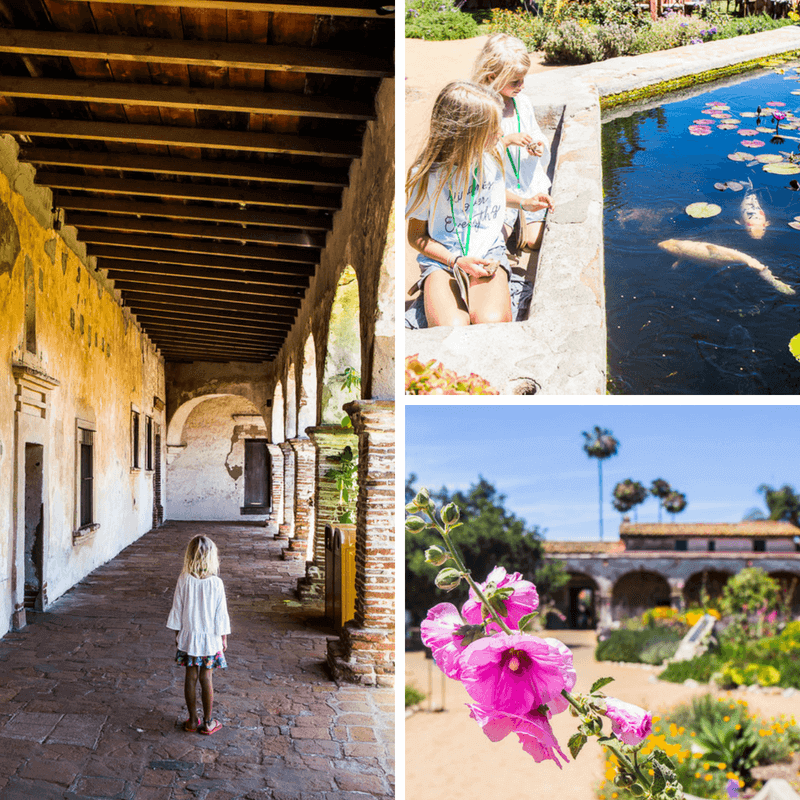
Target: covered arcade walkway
column 91, row 704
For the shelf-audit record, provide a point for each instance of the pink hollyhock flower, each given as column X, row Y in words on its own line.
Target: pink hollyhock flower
column 629, row 723
column 560, row 703
column 533, row 730
column 438, row 633
column 514, row 673
column 524, row 599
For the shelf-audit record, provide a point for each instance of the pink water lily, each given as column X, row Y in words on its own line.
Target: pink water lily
column 533, row 730
column 438, row 633
column 523, row 600
column 515, row 673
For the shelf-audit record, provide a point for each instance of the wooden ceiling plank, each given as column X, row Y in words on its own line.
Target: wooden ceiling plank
column 189, row 338
column 165, row 285
column 265, row 336
column 277, row 58
column 234, row 170
column 174, row 351
column 197, row 213
column 275, row 285
column 279, row 270
column 91, row 226
column 274, row 317
column 190, row 320
column 277, row 295
column 180, row 137
column 184, row 190
column 184, row 97
column 282, row 254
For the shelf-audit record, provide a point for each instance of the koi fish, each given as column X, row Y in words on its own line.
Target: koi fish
column 753, row 217
column 716, row 254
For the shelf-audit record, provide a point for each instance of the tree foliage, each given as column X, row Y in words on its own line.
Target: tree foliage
column 490, row 536
column 783, row 503
column 627, row 494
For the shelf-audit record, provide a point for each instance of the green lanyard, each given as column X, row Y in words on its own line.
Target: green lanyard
column 516, row 166
column 464, row 248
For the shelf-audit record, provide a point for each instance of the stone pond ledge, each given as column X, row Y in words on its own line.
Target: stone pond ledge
column 561, row 348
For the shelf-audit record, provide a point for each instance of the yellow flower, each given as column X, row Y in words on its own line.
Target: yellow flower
column 614, row 796
column 706, row 766
column 722, row 765
column 708, row 777
column 697, row 774
column 726, row 719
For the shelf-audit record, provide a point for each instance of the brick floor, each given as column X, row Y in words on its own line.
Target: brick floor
column 91, row 703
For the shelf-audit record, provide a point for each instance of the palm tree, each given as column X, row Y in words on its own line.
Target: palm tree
column 783, row 503
column 659, row 488
column 600, row 444
column 628, row 494
column 674, row 502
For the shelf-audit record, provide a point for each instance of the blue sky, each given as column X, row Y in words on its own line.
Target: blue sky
column 717, row 455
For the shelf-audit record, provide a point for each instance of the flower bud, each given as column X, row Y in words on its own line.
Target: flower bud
column 436, row 556
column 636, row 790
column 450, row 514
column 448, row 579
column 423, row 499
column 415, row 524
column 412, row 508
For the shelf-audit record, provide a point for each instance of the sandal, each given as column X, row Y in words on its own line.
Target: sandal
column 207, row 730
column 189, row 728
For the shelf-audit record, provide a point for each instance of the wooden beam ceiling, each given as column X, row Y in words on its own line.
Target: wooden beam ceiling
column 199, row 147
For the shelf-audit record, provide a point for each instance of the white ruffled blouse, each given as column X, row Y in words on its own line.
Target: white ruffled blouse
column 199, row 614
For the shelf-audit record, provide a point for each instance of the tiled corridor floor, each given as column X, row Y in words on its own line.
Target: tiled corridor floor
column 91, row 703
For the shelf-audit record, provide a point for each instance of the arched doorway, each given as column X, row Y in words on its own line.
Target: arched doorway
column 705, row 586
column 576, row 603
column 636, row 592
column 307, row 412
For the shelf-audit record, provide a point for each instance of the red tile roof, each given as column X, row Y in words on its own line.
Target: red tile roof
column 756, row 528
column 583, row 547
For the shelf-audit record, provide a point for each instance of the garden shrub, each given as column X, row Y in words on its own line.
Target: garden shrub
column 749, row 590
column 433, row 378
column 630, row 645
column 712, row 741
column 572, row 43
column 413, row 696
column 529, row 29
column 658, row 652
column 438, row 20
column 616, row 39
column 700, row 669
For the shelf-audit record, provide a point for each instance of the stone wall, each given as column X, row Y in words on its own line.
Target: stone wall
column 71, row 356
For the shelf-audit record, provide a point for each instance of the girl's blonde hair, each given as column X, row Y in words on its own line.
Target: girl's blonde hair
column 503, row 58
column 202, row 557
column 465, row 119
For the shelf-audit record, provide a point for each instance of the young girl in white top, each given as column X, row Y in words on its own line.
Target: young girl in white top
column 502, row 65
column 199, row 617
column 457, row 199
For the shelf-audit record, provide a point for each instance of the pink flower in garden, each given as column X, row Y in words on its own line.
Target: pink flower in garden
column 515, row 673
column 524, row 599
column 533, row 730
column 438, row 633
column 629, row 723
column 560, row 703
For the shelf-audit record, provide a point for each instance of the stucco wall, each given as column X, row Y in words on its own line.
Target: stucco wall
column 205, row 474
column 103, row 367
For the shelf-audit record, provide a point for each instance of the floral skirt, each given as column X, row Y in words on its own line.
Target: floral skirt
column 209, row 662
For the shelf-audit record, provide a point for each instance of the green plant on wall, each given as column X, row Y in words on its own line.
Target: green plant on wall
column 350, row 378
column 345, row 476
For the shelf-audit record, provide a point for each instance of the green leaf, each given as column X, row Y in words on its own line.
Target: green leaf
column 526, row 621
column 576, row 743
column 599, row 684
column 659, row 778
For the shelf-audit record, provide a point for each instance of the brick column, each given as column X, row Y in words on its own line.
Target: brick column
column 304, row 482
column 365, row 652
column 329, row 441
column 276, row 484
column 286, row 522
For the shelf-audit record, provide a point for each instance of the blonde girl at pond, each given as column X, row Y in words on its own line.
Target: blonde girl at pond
column 456, row 204
column 502, row 65
column 199, row 617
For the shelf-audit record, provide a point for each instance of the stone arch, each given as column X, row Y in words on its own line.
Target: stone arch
column 790, row 589
column 343, row 349
column 635, row 592
column 710, row 581
column 277, row 432
column 206, row 457
column 578, row 602
column 290, row 402
column 307, row 410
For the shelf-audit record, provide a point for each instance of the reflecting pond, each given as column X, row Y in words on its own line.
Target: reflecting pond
column 684, row 318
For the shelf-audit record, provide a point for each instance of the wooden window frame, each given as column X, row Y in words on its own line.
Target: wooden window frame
column 136, row 435
column 148, row 443
column 85, row 527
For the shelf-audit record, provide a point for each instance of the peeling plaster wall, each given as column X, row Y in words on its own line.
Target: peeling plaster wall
column 103, row 364
column 205, row 479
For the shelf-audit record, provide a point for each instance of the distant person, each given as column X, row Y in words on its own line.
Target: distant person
column 502, row 65
column 456, row 201
column 199, row 617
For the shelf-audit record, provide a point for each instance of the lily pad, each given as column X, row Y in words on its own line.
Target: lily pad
column 706, row 122
column 703, row 210
column 782, row 169
column 739, row 156
column 794, row 346
column 749, row 131
column 726, row 126
column 752, row 113
column 776, row 104
column 699, row 130
column 769, row 158
column 764, row 129
column 796, row 219
column 752, row 143
column 716, row 114
column 718, row 106
column 795, row 225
